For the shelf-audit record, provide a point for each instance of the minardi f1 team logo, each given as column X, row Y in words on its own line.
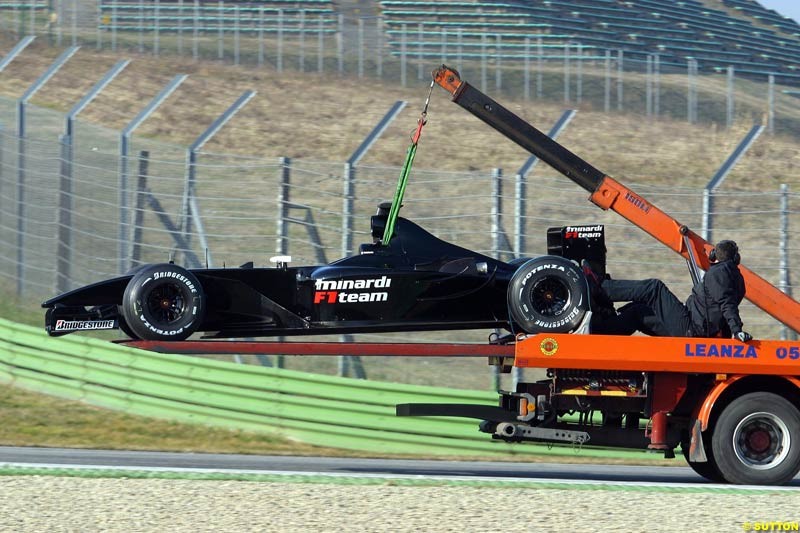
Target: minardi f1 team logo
column 583, row 232
column 548, row 346
column 351, row 290
column 83, row 325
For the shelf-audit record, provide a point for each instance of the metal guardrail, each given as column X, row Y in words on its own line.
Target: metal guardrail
column 320, row 410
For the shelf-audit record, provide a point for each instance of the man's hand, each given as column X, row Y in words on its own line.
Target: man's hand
column 742, row 336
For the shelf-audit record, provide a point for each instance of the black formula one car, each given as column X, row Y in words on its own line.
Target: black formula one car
column 415, row 282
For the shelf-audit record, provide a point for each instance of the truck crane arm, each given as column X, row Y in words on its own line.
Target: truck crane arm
column 607, row 193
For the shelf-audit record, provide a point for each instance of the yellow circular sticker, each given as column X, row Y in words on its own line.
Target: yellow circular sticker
column 548, row 346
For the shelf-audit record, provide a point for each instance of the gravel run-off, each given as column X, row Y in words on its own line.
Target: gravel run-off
column 61, row 504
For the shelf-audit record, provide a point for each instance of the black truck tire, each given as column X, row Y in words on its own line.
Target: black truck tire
column 755, row 440
column 707, row 470
column 163, row 302
column 548, row 294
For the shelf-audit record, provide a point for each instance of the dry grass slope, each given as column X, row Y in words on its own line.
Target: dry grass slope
column 324, row 118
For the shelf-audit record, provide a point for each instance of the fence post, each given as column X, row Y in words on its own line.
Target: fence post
column 539, row 66
column 420, row 50
column 301, row 60
column 340, row 43
column 156, row 28
column 221, row 31
column 785, row 284
column 123, row 250
column 348, row 200
column 403, row 54
column 74, row 22
column 498, row 60
column 729, row 98
column 620, row 80
column 320, row 46
column 138, row 213
column 520, row 207
column 260, row 36
column 527, row 70
column 65, row 206
column 648, row 84
column 195, row 29
column 180, row 28
column 20, row 198
column 483, row 62
column 579, row 73
column 141, row 26
column 656, row 85
column 691, row 97
column 60, row 24
column 566, row 73
column 236, row 43
column 771, row 104
column 379, row 46
column 497, row 209
column 360, row 38
column 281, row 226
column 607, row 83
column 460, row 51
column 279, row 60
column 114, row 26
column 444, row 46
column 721, row 174
column 22, row 103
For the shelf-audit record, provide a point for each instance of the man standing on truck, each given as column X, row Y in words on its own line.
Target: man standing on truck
column 712, row 310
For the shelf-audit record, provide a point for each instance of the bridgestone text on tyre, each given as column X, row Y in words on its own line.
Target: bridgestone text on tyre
column 163, row 302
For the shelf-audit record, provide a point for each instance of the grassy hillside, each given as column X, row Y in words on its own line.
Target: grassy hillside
column 324, row 118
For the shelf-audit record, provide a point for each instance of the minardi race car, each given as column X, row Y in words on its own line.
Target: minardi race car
column 414, row 282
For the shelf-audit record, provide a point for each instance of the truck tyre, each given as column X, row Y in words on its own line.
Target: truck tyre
column 755, row 440
column 163, row 302
column 709, row 469
column 548, row 294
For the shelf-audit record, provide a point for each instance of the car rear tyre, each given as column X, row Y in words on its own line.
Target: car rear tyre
column 755, row 440
column 163, row 302
column 548, row 294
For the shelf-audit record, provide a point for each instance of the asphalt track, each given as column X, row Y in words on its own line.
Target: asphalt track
column 351, row 467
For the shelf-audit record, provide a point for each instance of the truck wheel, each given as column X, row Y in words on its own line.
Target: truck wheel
column 709, row 469
column 548, row 294
column 755, row 440
column 163, row 302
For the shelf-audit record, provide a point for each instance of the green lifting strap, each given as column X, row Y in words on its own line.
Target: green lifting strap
column 401, row 182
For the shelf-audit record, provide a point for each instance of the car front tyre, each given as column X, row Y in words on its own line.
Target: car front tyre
column 163, row 302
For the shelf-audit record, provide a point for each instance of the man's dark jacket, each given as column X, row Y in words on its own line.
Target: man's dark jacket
column 714, row 303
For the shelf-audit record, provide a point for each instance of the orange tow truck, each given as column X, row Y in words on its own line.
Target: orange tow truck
column 732, row 407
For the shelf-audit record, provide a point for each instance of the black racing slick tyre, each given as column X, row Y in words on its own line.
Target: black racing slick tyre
column 755, row 440
column 548, row 294
column 163, row 302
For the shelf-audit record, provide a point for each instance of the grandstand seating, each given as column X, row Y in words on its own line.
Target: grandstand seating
column 270, row 16
column 766, row 16
column 676, row 30
column 739, row 33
